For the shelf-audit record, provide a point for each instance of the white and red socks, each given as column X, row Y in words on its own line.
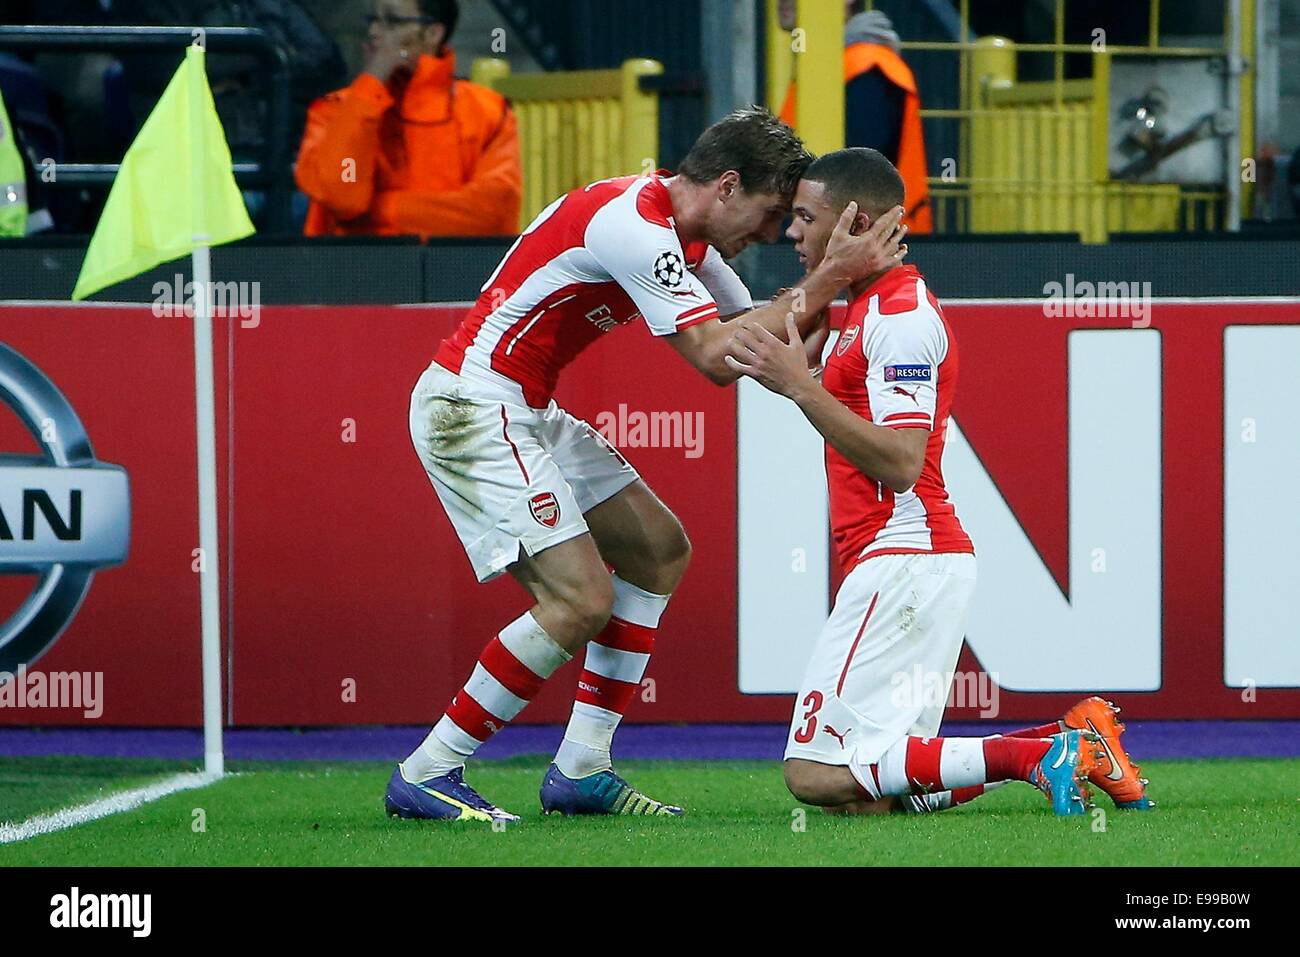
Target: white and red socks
column 611, row 676
column 943, row 800
column 1042, row 731
column 508, row 675
column 930, row 801
column 926, row 765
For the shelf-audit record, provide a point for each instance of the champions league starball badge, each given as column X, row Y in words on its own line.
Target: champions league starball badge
column 62, row 514
column 669, row 270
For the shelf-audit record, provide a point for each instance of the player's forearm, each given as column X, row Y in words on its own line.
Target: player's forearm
column 805, row 302
column 815, row 341
column 878, row 452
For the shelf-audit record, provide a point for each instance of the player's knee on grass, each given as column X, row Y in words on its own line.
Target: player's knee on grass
column 821, row 785
column 889, row 805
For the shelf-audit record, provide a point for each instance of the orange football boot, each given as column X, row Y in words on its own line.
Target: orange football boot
column 1116, row 774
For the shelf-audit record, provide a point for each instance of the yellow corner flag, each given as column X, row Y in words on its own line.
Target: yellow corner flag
column 174, row 190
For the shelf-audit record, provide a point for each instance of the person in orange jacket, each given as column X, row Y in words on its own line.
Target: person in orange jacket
column 408, row 148
column 882, row 108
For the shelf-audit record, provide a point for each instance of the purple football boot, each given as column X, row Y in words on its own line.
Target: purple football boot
column 446, row 797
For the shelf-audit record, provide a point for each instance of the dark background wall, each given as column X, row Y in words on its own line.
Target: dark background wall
column 402, row 271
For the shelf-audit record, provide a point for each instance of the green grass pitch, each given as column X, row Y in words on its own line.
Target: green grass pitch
column 1220, row 812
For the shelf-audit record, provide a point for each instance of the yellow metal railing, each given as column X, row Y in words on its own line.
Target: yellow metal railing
column 1033, row 157
column 1039, row 156
column 576, row 128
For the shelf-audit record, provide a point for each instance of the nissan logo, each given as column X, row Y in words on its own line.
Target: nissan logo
column 62, row 514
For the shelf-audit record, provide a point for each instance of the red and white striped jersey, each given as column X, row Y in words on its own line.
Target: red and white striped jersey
column 595, row 259
column 894, row 364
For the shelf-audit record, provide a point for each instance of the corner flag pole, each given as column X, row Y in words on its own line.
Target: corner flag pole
column 158, row 210
column 209, row 575
column 205, row 412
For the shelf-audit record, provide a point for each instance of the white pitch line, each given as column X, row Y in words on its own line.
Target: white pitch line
column 113, row 804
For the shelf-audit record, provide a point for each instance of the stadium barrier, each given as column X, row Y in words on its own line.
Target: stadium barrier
column 1118, row 473
column 1031, row 157
column 1039, row 158
column 272, row 172
column 578, row 127
column 393, row 271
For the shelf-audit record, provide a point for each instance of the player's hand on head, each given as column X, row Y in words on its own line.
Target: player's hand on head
column 877, row 248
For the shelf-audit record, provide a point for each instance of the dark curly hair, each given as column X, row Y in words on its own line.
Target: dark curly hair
column 861, row 175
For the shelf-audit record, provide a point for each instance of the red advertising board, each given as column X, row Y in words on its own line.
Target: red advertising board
column 348, row 600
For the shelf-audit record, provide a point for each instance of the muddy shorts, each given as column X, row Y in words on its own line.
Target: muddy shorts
column 513, row 479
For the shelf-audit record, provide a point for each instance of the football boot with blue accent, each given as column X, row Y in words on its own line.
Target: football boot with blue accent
column 601, row 793
column 1062, row 774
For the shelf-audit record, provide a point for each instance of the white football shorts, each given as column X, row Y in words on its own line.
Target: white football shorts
column 510, row 477
column 883, row 665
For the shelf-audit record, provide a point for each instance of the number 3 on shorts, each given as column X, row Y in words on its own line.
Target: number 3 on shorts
column 813, row 702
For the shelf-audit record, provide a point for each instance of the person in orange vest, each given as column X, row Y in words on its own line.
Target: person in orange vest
column 408, row 148
column 882, row 108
